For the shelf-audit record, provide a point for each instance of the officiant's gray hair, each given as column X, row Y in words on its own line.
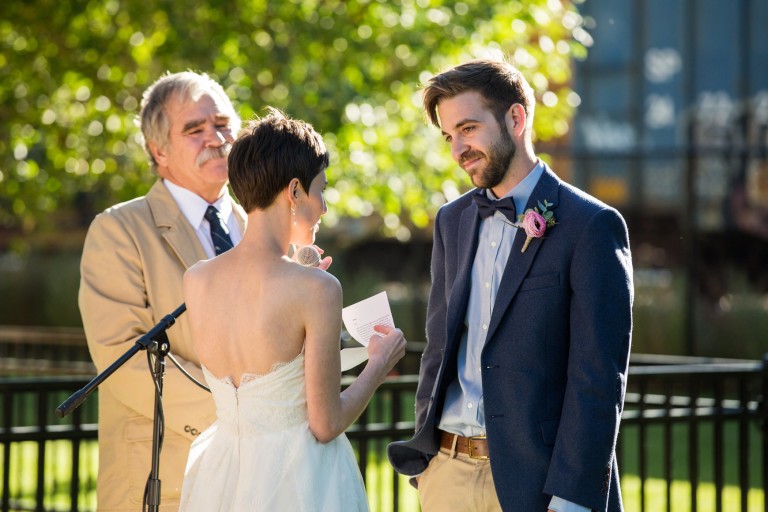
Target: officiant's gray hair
column 185, row 86
column 269, row 153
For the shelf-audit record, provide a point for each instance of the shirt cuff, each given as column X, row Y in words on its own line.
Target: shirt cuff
column 561, row 505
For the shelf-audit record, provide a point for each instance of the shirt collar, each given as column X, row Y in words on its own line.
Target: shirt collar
column 193, row 206
column 522, row 191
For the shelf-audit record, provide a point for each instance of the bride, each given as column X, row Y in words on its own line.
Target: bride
column 267, row 330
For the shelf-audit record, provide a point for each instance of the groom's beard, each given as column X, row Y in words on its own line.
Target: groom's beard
column 498, row 160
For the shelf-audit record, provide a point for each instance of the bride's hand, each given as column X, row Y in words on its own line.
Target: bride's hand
column 324, row 262
column 385, row 350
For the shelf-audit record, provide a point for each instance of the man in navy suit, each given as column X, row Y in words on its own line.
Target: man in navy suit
column 529, row 321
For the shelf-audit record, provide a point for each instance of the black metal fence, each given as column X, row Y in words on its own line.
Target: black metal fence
column 693, row 438
column 48, row 463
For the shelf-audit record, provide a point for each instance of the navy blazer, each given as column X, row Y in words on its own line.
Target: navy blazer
column 555, row 360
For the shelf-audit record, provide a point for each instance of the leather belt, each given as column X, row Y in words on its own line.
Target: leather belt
column 476, row 446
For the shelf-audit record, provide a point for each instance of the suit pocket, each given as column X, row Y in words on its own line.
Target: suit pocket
column 540, row 281
column 549, row 431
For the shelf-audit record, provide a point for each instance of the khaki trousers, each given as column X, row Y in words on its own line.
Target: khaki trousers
column 454, row 481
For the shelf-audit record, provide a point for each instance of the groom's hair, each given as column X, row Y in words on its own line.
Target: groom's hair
column 499, row 83
column 269, row 153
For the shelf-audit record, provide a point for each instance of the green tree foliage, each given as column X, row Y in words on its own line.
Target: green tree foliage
column 72, row 74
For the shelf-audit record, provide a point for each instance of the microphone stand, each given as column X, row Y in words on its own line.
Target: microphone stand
column 155, row 342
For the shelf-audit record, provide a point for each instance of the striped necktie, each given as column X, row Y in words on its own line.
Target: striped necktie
column 219, row 232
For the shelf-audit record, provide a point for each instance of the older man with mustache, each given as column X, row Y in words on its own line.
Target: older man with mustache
column 133, row 261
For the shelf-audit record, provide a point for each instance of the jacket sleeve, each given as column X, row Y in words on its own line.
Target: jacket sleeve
column 598, row 357
column 116, row 310
column 436, row 327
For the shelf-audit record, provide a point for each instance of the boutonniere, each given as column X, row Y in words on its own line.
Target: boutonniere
column 535, row 222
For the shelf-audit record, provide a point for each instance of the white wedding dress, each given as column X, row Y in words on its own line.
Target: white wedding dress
column 260, row 455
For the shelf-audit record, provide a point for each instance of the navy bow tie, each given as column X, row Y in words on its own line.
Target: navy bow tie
column 487, row 207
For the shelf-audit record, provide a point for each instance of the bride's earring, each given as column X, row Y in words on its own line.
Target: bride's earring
column 293, row 212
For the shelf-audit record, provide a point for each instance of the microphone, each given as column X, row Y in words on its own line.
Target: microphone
column 307, row 256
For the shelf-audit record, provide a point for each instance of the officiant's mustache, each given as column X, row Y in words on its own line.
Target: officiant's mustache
column 211, row 153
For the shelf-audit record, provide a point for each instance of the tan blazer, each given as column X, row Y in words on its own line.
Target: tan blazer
column 134, row 257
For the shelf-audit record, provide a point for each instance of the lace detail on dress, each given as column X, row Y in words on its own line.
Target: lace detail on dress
column 250, row 377
column 247, row 377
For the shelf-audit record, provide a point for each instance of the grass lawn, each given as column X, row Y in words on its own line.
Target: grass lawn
column 680, row 490
column 57, row 471
column 655, row 500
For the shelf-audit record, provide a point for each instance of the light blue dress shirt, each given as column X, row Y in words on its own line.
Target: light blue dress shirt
column 463, row 412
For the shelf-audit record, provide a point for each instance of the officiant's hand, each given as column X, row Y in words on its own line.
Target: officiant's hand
column 386, row 350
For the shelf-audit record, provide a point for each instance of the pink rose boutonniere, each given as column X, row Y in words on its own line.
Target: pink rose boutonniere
column 535, row 222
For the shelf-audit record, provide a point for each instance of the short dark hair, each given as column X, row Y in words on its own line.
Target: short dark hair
column 269, row 153
column 499, row 83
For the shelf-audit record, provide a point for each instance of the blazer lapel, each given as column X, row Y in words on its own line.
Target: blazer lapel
column 467, row 247
column 173, row 226
column 519, row 263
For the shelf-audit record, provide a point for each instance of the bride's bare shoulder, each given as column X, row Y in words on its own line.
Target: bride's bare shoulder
column 196, row 268
column 195, row 273
column 199, row 272
column 310, row 283
column 321, row 278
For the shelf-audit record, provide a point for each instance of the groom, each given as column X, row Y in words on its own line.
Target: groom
column 529, row 322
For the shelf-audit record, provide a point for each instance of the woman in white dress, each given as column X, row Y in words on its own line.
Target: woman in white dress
column 267, row 330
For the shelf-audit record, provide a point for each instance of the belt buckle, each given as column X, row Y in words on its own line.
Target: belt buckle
column 469, row 448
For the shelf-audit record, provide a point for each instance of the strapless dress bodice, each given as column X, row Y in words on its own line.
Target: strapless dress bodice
column 273, row 401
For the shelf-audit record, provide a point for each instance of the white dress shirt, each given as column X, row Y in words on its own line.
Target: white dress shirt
column 193, row 207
